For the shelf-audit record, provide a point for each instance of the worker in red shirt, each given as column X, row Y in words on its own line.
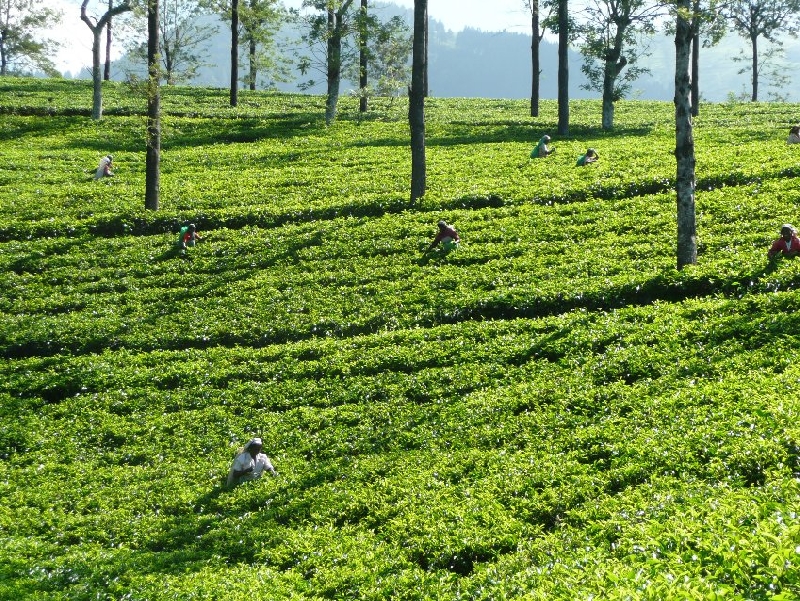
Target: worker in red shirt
column 788, row 245
column 188, row 236
column 447, row 236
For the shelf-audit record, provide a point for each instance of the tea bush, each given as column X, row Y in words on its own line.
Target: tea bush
column 553, row 411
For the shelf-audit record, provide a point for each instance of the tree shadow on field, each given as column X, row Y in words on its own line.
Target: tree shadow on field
column 46, row 127
column 113, row 143
column 36, row 262
column 223, row 130
column 490, row 133
column 174, row 252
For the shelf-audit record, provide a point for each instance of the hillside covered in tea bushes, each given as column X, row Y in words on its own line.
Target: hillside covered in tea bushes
column 552, row 411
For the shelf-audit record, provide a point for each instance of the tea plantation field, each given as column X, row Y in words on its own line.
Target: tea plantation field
column 551, row 412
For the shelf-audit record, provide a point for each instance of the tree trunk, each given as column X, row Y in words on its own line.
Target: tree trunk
column 97, row 31
column 754, row 44
column 97, row 76
column 614, row 64
column 3, row 53
column 107, row 66
column 362, row 59
column 253, row 65
column 684, row 142
column 563, row 68
column 535, row 67
column 416, row 102
column 608, row 109
column 168, row 58
column 153, row 158
column 234, row 52
column 334, row 65
column 425, row 84
column 695, row 83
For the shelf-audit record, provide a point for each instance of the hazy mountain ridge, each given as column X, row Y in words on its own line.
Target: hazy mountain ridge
column 475, row 63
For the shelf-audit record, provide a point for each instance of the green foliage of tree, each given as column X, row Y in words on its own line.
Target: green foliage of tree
column 613, row 38
column 757, row 19
column 183, row 37
column 260, row 22
column 24, row 45
column 388, row 51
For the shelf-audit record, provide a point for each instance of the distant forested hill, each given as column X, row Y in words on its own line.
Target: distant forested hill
column 475, row 63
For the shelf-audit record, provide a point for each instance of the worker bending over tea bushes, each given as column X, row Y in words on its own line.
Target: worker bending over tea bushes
column 589, row 157
column 447, row 236
column 188, row 236
column 788, row 245
column 542, row 149
column 104, row 168
column 249, row 464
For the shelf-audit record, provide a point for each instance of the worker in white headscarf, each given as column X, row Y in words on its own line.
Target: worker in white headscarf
column 104, row 168
column 250, row 463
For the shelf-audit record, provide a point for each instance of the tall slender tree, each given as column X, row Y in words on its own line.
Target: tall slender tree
column 337, row 29
column 563, row 67
column 416, row 102
column 260, row 22
column 425, row 83
column 107, row 65
column 708, row 28
column 695, row 93
column 388, row 53
column 96, row 27
column 542, row 18
column 153, row 142
column 684, row 138
column 234, row 96
column 768, row 19
column 536, row 40
column 329, row 28
column 612, row 36
column 363, row 38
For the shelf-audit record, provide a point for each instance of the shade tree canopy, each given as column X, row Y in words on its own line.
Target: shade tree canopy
column 24, row 44
column 613, row 36
column 182, row 42
column 762, row 19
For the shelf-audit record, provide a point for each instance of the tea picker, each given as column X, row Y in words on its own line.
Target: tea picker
column 250, row 464
column 104, row 168
column 188, row 236
column 447, row 236
column 542, row 149
column 590, row 156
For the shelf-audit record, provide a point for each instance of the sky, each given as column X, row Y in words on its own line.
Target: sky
column 487, row 15
column 456, row 15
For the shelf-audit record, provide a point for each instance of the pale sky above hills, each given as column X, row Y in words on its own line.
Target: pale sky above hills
column 487, row 15
column 456, row 15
